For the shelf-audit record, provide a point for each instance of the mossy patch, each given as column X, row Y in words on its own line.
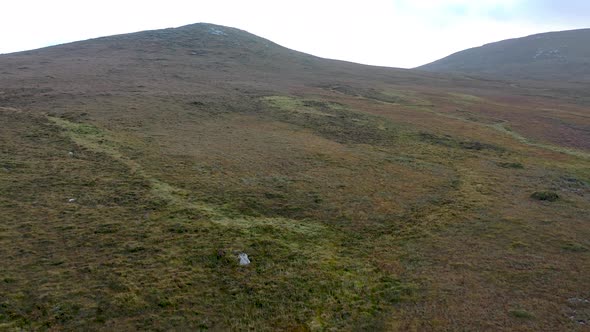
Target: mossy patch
column 574, row 247
column 521, row 313
column 548, row 196
column 451, row 142
column 332, row 120
column 514, row 165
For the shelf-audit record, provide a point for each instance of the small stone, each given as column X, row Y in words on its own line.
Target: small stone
column 71, row 200
column 577, row 300
column 71, row 154
column 244, row 260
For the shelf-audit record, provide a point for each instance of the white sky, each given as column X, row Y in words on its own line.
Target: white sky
column 396, row 33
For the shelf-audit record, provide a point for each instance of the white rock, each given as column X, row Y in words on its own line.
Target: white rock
column 217, row 32
column 244, row 259
column 71, row 200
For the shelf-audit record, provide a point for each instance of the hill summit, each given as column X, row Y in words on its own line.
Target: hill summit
column 563, row 56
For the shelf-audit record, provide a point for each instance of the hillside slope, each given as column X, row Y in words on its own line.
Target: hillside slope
column 135, row 168
column 561, row 56
column 180, row 60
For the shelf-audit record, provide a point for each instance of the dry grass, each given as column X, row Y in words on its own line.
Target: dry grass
column 372, row 200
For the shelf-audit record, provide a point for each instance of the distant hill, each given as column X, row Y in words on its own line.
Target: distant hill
column 563, row 55
column 195, row 58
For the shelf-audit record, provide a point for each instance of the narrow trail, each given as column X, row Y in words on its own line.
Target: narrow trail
column 102, row 141
column 500, row 127
column 105, row 142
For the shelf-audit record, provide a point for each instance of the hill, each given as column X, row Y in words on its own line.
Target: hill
column 135, row 168
column 553, row 56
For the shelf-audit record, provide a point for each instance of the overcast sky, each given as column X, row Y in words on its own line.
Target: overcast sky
column 397, row 33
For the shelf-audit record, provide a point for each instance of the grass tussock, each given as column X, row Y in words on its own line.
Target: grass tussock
column 549, row 196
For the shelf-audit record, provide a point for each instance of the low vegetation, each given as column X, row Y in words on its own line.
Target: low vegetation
column 545, row 196
column 366, row 199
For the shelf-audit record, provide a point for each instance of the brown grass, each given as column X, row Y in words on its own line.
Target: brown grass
column 367, row 199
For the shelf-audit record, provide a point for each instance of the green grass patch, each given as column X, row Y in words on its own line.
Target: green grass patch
column 508, row 131
column 305, row 106
column 451, row 142
column 574, row 247
column 521, row 313
column 332, row 120
column 398, row 97
column 465, row 97
column 513, row 165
